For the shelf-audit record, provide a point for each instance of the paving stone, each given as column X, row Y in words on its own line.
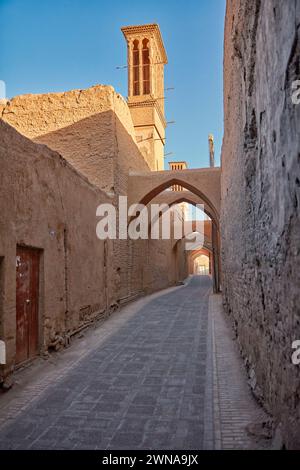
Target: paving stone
column 133, row 424
column 122, row 439
column 92, row 437
column 141, row 388
column 142, row 399
column 107, row 407
column 141, row 410
column 158, row 441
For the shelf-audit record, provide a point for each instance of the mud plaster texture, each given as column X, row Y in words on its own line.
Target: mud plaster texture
column 260, row 223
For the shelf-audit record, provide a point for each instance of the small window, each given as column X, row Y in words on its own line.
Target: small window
column 146, row 67
column 136, row 68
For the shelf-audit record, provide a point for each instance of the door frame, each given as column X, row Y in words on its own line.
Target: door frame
column 40, row 316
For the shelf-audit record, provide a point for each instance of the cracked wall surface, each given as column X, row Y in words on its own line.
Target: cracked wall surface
column 261, row 199
column 85, row 126
column 93, row 130
column 42, row 206
column 63, row 154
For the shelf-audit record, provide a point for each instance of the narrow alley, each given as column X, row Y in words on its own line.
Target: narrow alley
column 145, row 379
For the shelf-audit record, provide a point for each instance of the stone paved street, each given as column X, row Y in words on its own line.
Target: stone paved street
column 144, row 387
column 163, row 373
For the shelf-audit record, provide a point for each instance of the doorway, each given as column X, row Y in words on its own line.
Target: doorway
column 27, row 303
column 201, row 265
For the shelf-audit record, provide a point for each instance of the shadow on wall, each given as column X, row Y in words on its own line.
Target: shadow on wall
column 47, row 205
column 100, row 148
column 261, row 192
column 103, row 150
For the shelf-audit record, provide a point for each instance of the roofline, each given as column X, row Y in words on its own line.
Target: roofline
column 179, row 161
column 150, row 27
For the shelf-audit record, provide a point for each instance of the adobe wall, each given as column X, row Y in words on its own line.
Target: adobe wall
column 46, row 204
column 260, row 220
column 93, row 130
column 50, row 202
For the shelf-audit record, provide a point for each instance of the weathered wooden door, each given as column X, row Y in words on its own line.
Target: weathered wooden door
column 27, row 299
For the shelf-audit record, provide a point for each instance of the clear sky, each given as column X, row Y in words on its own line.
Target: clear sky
column 58, row 45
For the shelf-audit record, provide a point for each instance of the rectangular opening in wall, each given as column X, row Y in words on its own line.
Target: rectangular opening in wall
column 27, row 303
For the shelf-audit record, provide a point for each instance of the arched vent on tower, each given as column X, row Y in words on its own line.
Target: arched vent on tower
column 146, row 67
column 136, row 68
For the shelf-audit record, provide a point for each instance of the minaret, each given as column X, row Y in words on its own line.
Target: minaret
column 211, row 147
column 146, row 57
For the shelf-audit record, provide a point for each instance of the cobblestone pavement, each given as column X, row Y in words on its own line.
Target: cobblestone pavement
column 160, row 374
column 143, row 387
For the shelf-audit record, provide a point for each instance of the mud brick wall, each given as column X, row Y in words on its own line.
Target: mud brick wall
column 46, row 204
column 93, row 130
column 61, row 155
column 260, row 224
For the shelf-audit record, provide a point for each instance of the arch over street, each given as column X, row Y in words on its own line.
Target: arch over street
column 202, row 186
column 204, row 183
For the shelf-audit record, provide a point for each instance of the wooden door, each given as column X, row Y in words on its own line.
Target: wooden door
column 27, row 299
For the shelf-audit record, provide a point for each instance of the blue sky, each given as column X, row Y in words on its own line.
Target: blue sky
column 57, row 45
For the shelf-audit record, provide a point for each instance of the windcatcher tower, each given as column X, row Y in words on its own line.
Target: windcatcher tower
column 146, row 57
